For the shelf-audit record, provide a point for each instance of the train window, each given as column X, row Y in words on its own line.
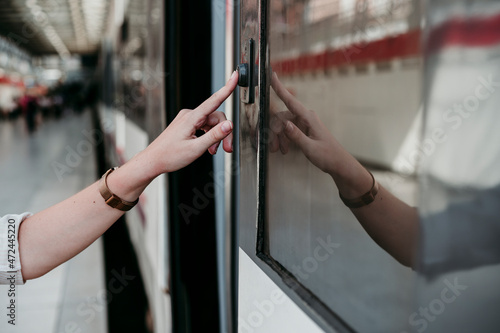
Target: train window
column 371, row 103
column 134, row 71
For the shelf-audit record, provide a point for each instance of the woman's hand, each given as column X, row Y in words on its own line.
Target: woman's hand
column 305, row 129
column 179, row 146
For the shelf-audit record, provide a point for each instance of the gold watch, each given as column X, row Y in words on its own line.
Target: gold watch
column 112, row 199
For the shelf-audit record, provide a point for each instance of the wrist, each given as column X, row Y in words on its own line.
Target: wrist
column 111, row 198
column 130, row 179
column 351, row 178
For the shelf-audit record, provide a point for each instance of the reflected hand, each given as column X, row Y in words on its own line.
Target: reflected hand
column 389, row 221
column 304, row 128
column 178, row 145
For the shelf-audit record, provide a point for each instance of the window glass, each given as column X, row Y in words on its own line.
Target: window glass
column 460, row 176
column 358, row 65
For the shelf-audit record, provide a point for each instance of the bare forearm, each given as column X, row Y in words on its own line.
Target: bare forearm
column 58, row 233
column 390, row 222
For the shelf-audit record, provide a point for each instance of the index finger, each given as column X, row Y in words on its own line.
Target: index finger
column 214, row 101
column 290, row 101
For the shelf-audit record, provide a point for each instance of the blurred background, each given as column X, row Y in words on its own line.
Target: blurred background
column 408, row 87
column 50, row 84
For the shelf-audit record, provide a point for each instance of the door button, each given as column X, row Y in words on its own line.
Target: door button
column 243, row 80
column 247, row 73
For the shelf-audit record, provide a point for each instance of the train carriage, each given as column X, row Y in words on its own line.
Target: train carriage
column 259, row 240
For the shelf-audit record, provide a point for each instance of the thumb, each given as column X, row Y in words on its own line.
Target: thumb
column 297, row 136
column 214, row 135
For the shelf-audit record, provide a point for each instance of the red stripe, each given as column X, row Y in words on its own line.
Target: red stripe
column 401, row 46
column 472, row 32
column 468, row 32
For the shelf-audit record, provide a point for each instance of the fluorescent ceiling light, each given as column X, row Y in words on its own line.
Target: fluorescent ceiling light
column 42, row 19
column 52, row 74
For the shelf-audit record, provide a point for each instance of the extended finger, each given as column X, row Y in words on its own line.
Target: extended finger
column 214, row 101
column 290, row 101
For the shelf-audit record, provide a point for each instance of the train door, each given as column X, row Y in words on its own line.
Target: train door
column 195, row 286
column 305, row 263
column 411, row 91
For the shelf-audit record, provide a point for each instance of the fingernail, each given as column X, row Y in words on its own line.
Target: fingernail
column 232, row 75
column 275, row 74
column 226, row 127
column 289, row 126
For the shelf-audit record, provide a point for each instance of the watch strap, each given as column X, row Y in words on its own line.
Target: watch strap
column 112, row 199
column 363, row 200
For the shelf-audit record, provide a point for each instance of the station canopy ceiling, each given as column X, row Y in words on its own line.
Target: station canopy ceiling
column 61, row 27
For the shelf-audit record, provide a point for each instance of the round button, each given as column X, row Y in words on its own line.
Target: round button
column 243, row 75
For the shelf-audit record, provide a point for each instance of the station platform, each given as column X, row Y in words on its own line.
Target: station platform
column 69, row 298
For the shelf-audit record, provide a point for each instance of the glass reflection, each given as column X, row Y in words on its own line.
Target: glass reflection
column 346, row 61
column 363, row 85
column 315, row 225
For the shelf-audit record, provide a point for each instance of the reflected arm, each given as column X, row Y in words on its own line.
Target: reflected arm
column 390, row 222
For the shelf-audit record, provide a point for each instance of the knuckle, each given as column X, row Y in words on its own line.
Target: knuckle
column 216, row 117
